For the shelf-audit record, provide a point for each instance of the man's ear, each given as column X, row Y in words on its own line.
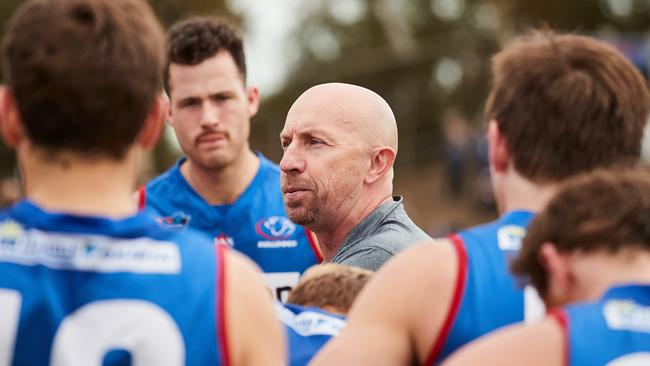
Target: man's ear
column 497, row 148
column 154, row 123
column 168, row 108
column 11, row 125
column 253, row 96
column 560, row 279
column 381, row 163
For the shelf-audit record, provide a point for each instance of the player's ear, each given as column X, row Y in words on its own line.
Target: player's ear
column 253, row 96
column 558, row 272
column 381, row 163
column 497, row 148
column 153, row 124
column 11, row 125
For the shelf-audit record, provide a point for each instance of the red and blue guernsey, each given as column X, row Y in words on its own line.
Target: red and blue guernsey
column 255, row 225
column 78, row 290
column 614, row 330
column 308, row 329
column 486, row 295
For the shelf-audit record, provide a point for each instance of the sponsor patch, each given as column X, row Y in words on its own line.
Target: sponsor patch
column 627, row 314
column 275, row 228
column 94, row 253
column 510, row 237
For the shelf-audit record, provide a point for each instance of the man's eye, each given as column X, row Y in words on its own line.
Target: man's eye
column 315, row 142
column 285, row 144
column 189, row 103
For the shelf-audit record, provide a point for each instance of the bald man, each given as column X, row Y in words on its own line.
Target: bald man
column 340, row 143
column 560, row 105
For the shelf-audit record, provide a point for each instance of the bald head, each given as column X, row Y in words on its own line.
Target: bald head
column 355, row 109
column 340, row 143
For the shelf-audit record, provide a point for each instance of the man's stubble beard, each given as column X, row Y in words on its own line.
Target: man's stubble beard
column 307, row 215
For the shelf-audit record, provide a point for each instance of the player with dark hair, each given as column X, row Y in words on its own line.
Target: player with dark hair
column 560, row 105
column 222, row 187
column 590, row 245
column 84, row 278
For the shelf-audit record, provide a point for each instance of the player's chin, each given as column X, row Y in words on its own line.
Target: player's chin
column 214, row 159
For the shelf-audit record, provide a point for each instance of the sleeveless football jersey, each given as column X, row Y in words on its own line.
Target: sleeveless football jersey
column 486, row 296
column 613, row 331
column 308, row 329
column 79, row 290
column 255, row 225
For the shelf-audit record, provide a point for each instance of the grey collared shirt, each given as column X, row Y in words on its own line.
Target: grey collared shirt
column 381, row 235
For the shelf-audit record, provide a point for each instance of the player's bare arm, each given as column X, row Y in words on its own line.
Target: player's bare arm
column 396, row 317
column 540, row 344
column 254, row 334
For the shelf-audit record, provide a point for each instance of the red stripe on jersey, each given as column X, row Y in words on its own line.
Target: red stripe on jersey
column 142, row 197
column 455, row 301
column 222, row 342
column 314, row 245
column 563, row 320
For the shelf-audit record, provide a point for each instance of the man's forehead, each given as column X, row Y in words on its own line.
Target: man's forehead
column 205, row 78
column 317, row 121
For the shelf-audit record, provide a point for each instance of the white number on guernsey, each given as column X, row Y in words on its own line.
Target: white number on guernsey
column 534, row 308
column 633, row 359
column 84, row 337
column 281, row 283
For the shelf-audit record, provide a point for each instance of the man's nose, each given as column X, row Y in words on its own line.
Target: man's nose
column 292, row 160
column 210, row 115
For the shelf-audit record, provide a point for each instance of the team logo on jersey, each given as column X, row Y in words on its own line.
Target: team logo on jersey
column 626, row 314
column 275, row 228
column 177, row 220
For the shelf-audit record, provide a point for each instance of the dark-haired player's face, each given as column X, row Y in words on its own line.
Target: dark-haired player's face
column 210, row 110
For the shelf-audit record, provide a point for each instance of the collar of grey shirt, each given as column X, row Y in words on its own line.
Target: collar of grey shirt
column 370, row 223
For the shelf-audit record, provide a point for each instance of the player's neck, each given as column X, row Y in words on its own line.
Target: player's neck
column 598, row 272
column 333, row 233
column 224, row 185
column 519, row 193
column 78, row 185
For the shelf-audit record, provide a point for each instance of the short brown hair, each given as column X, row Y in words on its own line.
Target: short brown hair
column 84, row 73
column 601, row 211
column 333, row 285
column 567, row 104
column 196, row 39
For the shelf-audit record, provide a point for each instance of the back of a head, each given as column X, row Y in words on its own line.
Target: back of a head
column 331, row 286
column 567, row 104
column 196, row 39
column 605, row 211
column 84, row 73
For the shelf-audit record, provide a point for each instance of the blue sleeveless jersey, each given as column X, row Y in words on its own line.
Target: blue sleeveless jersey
column 77, row 290
column 255, row 225
column 308, row 329
column 487, row 296
column 614, row 330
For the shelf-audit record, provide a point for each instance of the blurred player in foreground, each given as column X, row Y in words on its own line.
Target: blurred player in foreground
column 591, row 244
column 84, row 278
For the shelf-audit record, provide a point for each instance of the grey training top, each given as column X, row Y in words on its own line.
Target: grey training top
column 385, row 232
